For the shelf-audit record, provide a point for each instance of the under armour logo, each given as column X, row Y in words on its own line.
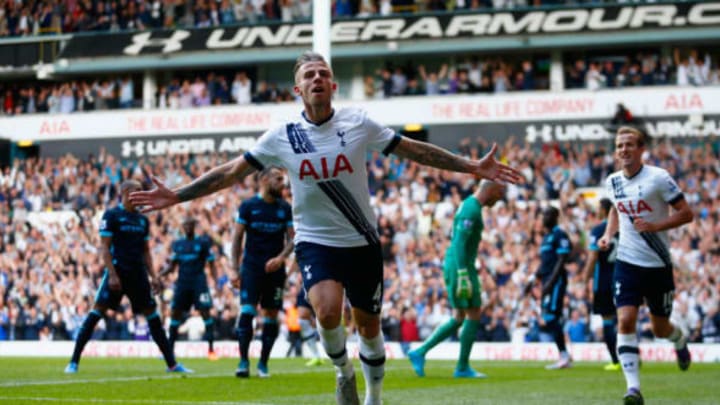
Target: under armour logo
column 341, row 134
column 128, row 148
column 306, row 269
column 544, row 133
column 142, row 40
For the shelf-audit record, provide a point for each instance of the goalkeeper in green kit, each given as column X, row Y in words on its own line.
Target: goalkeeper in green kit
column 461, row 280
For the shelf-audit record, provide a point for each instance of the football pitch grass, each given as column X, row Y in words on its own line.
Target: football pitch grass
column 144, row 381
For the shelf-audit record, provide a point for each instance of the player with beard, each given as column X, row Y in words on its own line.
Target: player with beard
column 337, row 245
column 264, row 223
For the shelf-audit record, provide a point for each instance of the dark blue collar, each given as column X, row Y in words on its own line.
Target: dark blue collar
column 635, row 174
column 317, row 124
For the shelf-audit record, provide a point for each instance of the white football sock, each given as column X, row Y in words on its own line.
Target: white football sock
column 629, row 355
column 372, row 359
column 333, row 340
column 307, row 333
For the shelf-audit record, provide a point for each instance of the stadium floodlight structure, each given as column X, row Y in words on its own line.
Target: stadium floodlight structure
column 321, row 28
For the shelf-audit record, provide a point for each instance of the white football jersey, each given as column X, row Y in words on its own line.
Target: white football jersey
column 647, row 195
column 328, row 175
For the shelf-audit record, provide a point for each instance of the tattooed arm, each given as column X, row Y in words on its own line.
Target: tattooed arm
column 431, row 155
column 428, row 154
column 216, row 179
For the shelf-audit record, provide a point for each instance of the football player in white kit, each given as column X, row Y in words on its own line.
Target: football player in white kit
column 336, row 240
column 641, row 195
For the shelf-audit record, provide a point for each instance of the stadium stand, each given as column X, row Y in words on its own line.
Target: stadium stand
column 48, row 275
column 470, row 76
column 50, row 202
column 30, row 17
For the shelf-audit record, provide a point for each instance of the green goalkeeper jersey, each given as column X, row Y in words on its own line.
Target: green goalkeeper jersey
column 466, row 235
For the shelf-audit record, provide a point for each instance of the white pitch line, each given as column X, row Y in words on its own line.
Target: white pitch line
column 105, row 380
column 129, row 401
column 71, row 380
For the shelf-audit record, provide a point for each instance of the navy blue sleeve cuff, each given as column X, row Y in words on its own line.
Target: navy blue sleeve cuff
column 676, row 199
column 391, row 146
column 254, row 162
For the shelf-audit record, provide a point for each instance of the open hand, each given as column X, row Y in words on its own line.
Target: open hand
column 158, row 198
column 492, row 169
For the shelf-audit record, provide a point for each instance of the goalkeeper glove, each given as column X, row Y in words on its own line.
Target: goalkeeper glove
column 464, row 286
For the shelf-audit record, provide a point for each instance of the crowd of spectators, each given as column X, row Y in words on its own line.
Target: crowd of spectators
column 472, row 76
column 42, row 17
column 203, row 89
column 682, row 68
column 468, row 75
column 215, row 89
column 50, row 266
column 69, row 97
column 108, row 94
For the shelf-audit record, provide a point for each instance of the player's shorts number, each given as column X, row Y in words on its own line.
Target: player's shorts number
column 668, row 300
column 204, row 298
column 377, row 296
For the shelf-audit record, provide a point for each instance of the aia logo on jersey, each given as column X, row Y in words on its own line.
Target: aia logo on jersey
column 325, row 169
column 628, row 208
